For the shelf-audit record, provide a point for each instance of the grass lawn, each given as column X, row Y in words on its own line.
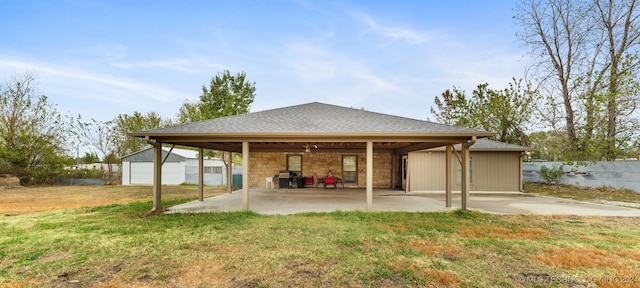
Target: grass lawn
column 122, row 245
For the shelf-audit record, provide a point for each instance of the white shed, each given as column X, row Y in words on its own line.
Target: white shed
column 181, row 166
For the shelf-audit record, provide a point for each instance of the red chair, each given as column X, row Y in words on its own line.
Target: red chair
column 329, row 180
column 308, row 181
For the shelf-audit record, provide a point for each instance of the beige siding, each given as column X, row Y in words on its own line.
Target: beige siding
column 491, row 171
column 496, row 171
column 426, row 171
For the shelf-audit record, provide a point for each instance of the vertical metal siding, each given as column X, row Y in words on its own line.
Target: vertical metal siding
column 427, row 171
column 496, row 171
column 492, row 171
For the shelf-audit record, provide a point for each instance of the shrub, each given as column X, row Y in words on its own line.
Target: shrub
column 551, row 175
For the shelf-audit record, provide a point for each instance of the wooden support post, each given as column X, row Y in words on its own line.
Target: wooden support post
column 369, row 176
column 465, row 177
column 407, row 171
column 466, row 182
column 245, row 176
column 229, row 172
column 157, row 177
column 448, row 186
column 201, row 174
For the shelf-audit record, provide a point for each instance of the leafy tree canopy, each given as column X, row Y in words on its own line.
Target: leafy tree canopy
column 506, row 112
column 226, row 95
column 32, row 132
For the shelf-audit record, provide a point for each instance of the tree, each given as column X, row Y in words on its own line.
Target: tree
column 557, row 33
column 102, row 137
column 227, row 95
column 548, row 145
column 505, row 112
column 32, row 132
column 619, row 23
column 124, row 124
column 90, row 157
column 586, row 62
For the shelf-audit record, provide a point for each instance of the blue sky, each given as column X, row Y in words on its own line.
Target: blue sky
column 102, row 58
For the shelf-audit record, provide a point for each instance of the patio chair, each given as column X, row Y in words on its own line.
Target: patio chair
column 329, row 180
column 308, row 181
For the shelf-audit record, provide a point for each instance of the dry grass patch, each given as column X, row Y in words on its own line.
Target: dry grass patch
column 583, row 193
column 449, row 252
column 24, row 200
column 431, row 277
column 443, row 278
column 576, row 258
column 503, row 233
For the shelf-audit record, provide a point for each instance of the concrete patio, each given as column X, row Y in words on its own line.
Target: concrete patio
column 291, row 201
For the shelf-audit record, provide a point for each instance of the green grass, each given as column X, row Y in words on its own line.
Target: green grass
column 123, row 245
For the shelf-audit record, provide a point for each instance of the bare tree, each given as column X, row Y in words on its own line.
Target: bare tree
column 557, row 34
column 586, row 64
column 618, row 22
column 100, row 136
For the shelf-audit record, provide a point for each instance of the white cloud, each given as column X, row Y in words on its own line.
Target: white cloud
column 390, row 31
column 91, row 92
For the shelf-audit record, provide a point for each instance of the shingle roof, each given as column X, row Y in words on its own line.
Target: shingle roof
column 313, row 117
column 484, row 144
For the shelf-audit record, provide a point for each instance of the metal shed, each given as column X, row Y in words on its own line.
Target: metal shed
column 180, row 166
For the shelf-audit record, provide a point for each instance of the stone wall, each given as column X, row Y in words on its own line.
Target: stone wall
column 268, row 164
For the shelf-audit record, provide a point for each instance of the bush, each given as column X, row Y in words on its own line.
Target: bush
column 552, row 175
column 82, row 174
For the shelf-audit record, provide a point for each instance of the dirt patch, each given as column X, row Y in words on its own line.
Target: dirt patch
column 193, row 274
column 25, row 200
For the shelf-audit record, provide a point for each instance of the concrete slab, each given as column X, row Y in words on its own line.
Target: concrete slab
column 291, row 201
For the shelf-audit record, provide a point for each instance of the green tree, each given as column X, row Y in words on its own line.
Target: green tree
column 90, row 157
column 124, row 124
column 548, row 145
column 226, row 95
column 32, row 132
column 506, row 111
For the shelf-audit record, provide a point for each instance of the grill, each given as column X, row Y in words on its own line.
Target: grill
column 284, row 179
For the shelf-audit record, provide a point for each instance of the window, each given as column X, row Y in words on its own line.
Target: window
column 470, row 171
column 212, row 170
column 294, row 164
column 350, row 168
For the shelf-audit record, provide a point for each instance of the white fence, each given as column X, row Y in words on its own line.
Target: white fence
column 617, row 174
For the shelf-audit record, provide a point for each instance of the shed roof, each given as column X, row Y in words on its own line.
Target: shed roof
column 182, row 154
column 315, row 123
column 490, row 145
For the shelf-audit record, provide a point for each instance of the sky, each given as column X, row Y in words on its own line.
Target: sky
column 101, row 58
